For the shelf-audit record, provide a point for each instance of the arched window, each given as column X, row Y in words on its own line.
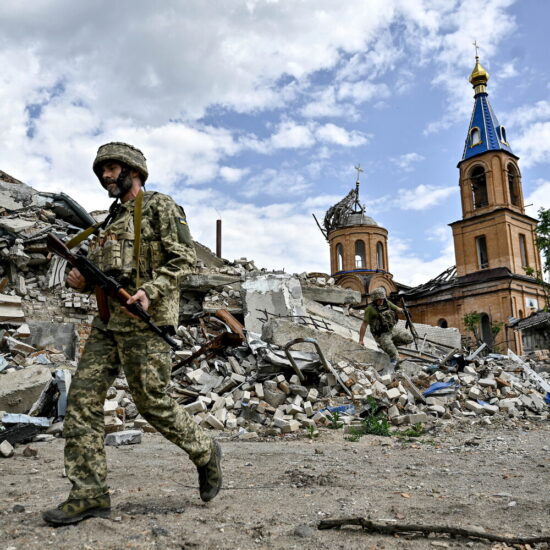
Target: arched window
column 339, row 257
column 523, row 251
column 475, row 136
column 513, row 184
column 380, row 264
column 479, row 187
column 503, row 135
column 442, row 323
column 359, row 255
column 482, row 256
column 486, row 331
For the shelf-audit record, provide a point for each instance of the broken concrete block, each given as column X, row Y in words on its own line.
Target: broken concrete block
column 473, row 406
column 475, row 393
column 126, row 437
column 281, row 331
column 20, row 389
column 10, row 309
column 416, row 418
column 18, row 346
column 113, row 424
column 259, row 390
column 393, row 393
column 270, row 294
column 393, row 411
column 491, row 409
column 291, row 426
column 487, row 382
column 6, row 449
column 211, row 420
column 274, row 397
column 109, row 407
column 331, row 295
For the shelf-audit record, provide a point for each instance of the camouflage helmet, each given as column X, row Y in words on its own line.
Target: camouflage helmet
column 121, row 152
column 378, row 293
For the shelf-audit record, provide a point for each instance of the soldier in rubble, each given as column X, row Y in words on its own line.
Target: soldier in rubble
column 381, row 315
column 146, row 244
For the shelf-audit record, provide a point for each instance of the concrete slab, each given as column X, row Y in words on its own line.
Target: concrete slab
column 203, row 282
column 331, row 295
column 271, row 295
column 334, row 347
column 20, row 389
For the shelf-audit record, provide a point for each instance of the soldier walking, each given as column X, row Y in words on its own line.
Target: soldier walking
column 381, row 315
column 146, row 245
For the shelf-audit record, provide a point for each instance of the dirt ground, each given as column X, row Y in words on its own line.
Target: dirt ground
column 277, row 490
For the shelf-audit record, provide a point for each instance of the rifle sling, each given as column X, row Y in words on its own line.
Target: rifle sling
column 137, row 233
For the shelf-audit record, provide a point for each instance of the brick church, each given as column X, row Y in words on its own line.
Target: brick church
column 494, row 241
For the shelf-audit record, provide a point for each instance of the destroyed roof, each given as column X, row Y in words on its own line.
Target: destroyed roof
column 538, row 319
column 347, row 212
column 449, row 279
column 443, row 280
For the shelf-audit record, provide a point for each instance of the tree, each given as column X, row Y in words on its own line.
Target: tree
column 542, row 239
column 471, row 322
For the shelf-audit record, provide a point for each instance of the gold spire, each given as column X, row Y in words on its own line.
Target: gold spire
column 479, row 76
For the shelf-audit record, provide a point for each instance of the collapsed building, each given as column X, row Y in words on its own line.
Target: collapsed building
column 261, row 353
column 494, row 242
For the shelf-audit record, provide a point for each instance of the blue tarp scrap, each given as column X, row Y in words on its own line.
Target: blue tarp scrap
column 341, row 409
column 438, row 386
column 547, row 398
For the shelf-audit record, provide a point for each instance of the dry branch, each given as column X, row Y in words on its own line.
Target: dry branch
column 392, row 529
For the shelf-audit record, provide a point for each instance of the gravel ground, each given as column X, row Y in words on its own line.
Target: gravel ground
column 276, row 491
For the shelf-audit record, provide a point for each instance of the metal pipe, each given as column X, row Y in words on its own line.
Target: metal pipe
column 219, row 238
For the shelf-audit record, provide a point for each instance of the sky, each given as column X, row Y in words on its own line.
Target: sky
column 257, row 111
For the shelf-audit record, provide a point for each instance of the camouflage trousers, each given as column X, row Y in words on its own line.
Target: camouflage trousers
column 396, row 337
column 145, row 360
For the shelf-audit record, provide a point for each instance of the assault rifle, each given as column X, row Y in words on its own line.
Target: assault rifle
column 105, row 286
column 409, row 323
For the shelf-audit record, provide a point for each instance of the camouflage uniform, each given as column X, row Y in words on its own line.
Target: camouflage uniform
column 382, row 321
column 166, row 254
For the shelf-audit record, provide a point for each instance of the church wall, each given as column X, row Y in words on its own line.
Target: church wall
column 346, row 236
column 498, row 299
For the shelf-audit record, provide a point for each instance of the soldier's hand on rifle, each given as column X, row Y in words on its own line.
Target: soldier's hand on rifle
column 141, row 297
column 76, row 280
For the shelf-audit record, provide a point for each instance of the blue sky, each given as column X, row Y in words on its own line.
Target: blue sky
column 258, row 110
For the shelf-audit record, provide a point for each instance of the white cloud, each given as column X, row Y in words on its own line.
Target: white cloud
column 283, row 237
column 533, row 145
column 232, row 175
column 291, row 135
column 508, row 70
column 331, row 133
column 406, row 162
column 275, row 183
column 422, row 196
column 409, row 268
column 538, row 198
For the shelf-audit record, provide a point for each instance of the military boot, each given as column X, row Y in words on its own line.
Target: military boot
column 75, row 510
column 210, row 475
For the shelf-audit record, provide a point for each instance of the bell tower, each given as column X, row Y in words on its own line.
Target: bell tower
column 494, row 231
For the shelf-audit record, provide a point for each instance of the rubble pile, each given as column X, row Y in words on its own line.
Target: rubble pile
column 28, row 279
column 262, row 353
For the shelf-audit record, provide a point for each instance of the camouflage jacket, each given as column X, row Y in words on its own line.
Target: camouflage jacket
column 381, row 318
column 166, row 254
